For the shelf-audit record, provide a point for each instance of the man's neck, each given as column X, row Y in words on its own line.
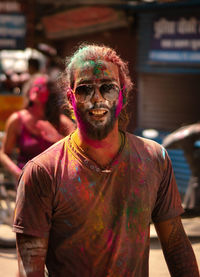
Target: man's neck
column 101, row 151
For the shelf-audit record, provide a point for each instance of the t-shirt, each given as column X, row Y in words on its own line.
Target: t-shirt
column 97, row 220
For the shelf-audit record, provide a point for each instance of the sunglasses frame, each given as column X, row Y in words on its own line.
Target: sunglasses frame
column 94, row 86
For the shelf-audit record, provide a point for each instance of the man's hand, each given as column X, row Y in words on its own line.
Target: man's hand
column 31, row 252
column 177, row 248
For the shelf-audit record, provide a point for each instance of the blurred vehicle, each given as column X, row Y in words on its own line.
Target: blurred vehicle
column 187, row 138
column 180, row 165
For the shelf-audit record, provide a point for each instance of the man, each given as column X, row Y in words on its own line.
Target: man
column 84, row 206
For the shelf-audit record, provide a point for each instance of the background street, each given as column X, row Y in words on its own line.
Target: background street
column 157, row 265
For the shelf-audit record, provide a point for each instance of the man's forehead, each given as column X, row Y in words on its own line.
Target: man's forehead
column 96, row 69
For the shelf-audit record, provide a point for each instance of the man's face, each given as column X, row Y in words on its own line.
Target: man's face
column 95, row 97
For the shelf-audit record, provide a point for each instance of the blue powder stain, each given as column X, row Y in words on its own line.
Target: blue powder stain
column 63, row 190
column 67, row 222
column 79, row 179
column 163, row 152
column 92, row 184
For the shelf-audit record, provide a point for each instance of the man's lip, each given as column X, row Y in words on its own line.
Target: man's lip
column 98, row 112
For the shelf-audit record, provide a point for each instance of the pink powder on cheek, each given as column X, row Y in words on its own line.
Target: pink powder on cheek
column 73, row 102
column 120, row 104
column 79, row 120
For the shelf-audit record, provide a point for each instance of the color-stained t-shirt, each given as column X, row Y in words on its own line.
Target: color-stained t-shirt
column 97, row 220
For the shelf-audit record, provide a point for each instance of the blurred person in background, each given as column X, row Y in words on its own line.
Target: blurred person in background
column 33, row 71
column 33, row 66
column 36, row 127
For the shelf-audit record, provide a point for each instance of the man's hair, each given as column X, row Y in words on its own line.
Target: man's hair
column 93, row 52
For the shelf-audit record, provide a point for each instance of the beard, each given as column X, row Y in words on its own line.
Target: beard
column 96, row 130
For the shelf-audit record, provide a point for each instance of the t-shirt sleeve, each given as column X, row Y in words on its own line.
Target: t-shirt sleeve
column 33, row 210
column 168, row 201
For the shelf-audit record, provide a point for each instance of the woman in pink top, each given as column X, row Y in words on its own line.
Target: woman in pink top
column 35, row 128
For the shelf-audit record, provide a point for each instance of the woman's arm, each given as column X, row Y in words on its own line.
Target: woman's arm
column 177, row 248
column 12, row 130
column 67, row 126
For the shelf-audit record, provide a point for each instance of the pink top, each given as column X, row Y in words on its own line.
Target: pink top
column 30, row 145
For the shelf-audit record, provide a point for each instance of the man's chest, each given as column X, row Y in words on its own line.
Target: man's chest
column 100, row 201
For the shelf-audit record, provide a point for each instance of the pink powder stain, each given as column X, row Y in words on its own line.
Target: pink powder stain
column 136, row 191
column 110, row 237
column 82, row 250
column 73, row 102
column 86, row 194
column 120, row 104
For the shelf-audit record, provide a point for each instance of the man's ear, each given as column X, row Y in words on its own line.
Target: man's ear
column 124, row 95
column 69, row 98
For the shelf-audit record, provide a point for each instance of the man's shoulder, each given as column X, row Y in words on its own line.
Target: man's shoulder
column 146, row 147
column 142, row 142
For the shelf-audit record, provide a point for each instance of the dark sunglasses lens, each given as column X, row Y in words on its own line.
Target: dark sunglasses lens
column 109, row 91
column 84, row 92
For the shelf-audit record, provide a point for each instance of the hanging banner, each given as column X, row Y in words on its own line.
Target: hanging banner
column 12, row 31
column 175, row 39
column 81, row 21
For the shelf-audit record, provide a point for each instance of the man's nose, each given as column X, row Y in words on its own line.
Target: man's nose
column 97, row 96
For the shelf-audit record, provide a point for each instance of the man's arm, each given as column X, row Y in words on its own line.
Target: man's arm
column 31, row 252
column 177, row 248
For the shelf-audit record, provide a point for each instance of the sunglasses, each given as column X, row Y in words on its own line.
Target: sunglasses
column 109, row 92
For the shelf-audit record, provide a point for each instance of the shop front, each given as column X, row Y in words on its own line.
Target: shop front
column 168, row 74
column 169, row 67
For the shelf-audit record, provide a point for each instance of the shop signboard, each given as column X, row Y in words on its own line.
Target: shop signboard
column 175, row 39
column 82, row 20
column 12, row 31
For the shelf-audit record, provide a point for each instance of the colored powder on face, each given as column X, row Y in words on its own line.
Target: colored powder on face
column 94, row 143
column 98, row 67
column 79, row 120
